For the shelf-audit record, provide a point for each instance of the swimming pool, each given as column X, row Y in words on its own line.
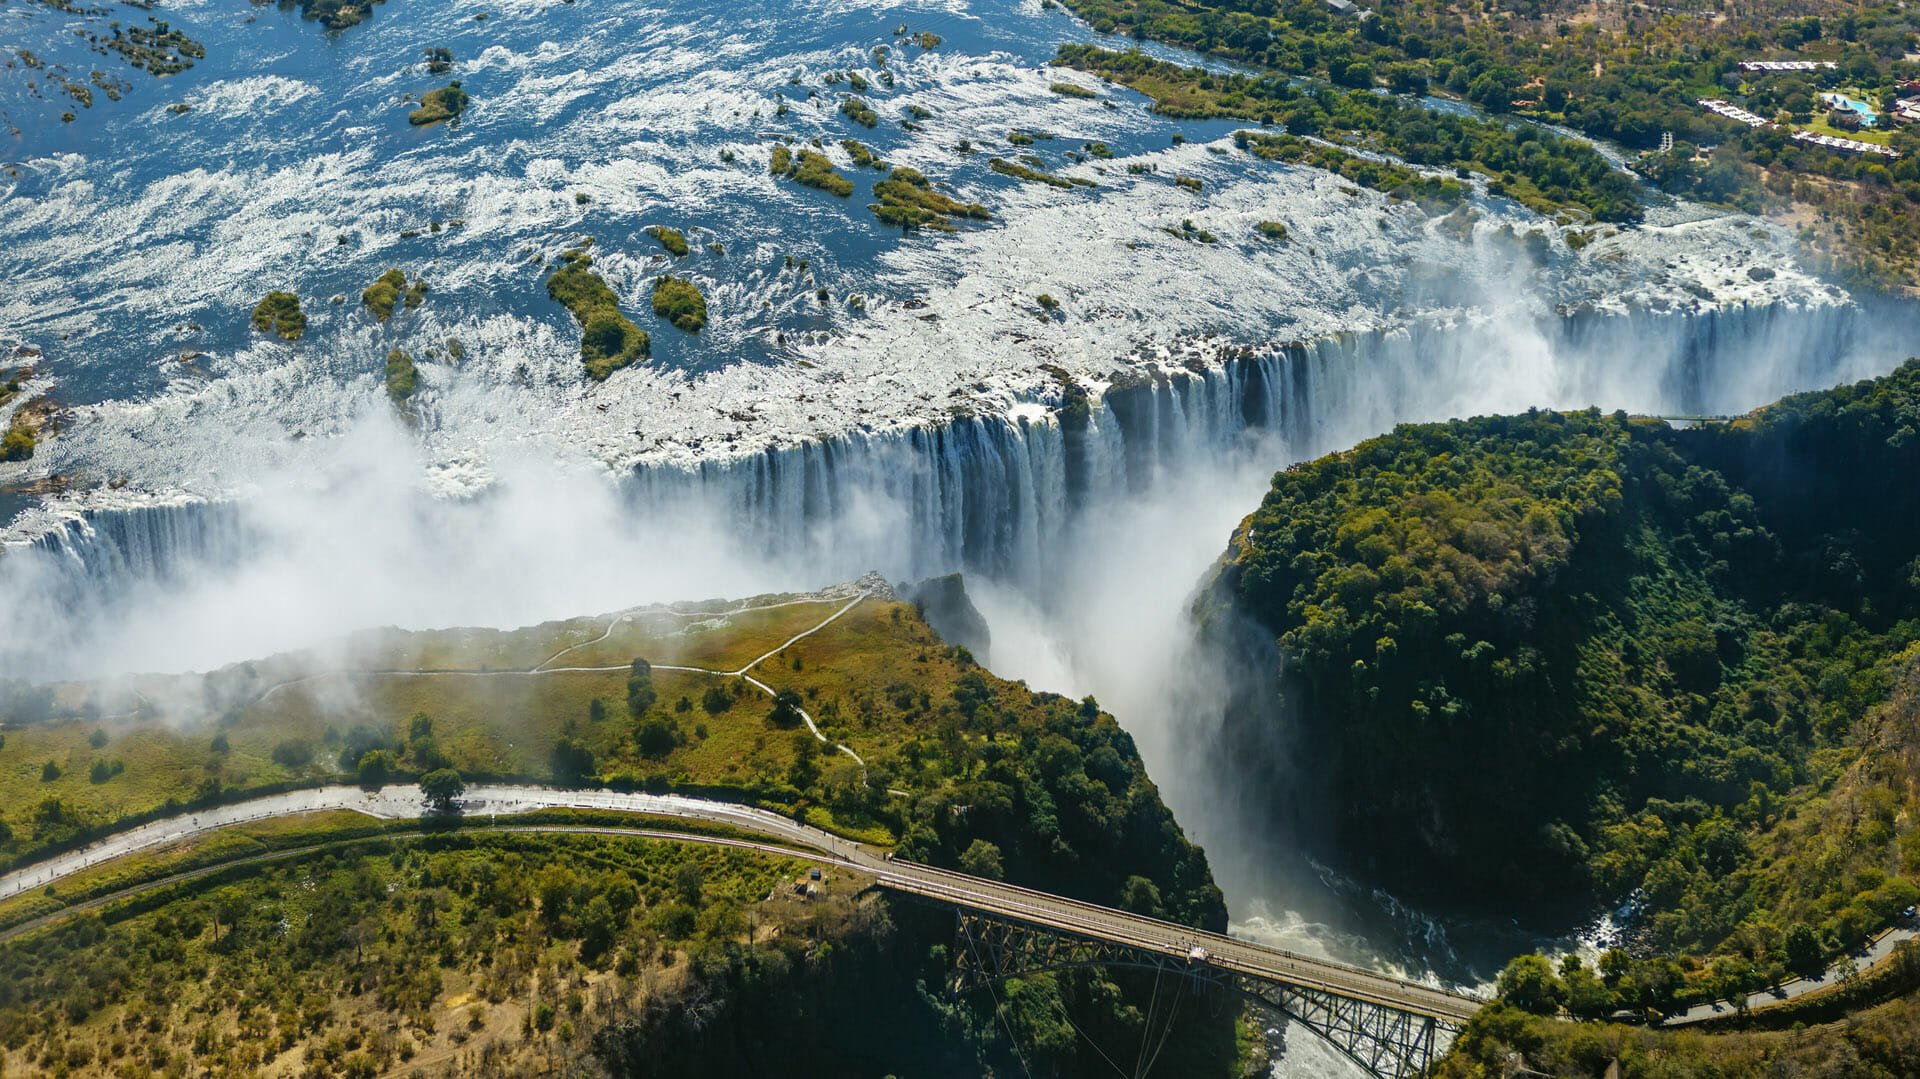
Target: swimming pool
column 1868, row 117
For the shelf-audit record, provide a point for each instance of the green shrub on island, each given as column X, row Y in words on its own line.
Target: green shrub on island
column 11, row 387
column 812, row 169
column 862, row 154
column 673, row 240
column 858, row 111
column 19, row 441
column 439, row 60
column 908, row 201
column 1033, row 175
column 1070, row 89
column 1272, row 230
column 446, row 103
column 337, row 14
column 384, row 294
column 927, row 39
column 678, row 300
column 403, row 377
column 608, row 339
column 279, row 313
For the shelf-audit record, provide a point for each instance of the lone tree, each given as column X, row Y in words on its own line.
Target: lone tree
column 640, row 692
column 1530, row 984
column 442, row 787
column 786, row 709
column 1804, row 955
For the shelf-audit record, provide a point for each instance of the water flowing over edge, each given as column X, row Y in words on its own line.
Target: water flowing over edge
column 996, row 495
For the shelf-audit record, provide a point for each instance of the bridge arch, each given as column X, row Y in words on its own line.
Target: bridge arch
column 1387, row 1042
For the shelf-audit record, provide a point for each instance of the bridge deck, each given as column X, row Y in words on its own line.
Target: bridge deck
column 1178, row 941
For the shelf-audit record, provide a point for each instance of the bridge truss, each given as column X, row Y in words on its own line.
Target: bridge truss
column 1387, row 1042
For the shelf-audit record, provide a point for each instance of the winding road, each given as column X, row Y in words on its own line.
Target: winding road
column 1048, row 911
column 1869, row 955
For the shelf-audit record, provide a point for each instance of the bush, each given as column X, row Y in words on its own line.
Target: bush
column 673, row 240
column 279, row 313
column 853, row 108
column 608, row 340
column 403, row 377
column 293, row 754
column 678, row 301
column 812, row 169
column 383, row 295
column 446, row 103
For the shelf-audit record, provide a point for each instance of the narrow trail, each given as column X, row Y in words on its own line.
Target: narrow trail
column 544, row 666
column 622, row 616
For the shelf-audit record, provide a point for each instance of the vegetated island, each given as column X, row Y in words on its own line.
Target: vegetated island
column 910, row 202
column 862, row 154
column 673, row 240
column 857, row 110
column 447, row 103
column 1579, row 655
column 23, row 433
column 1034, row 175
column 679, row 301
column 389, row 290
column 1433, row 193
column 811, row 168
column 337, row 14
column 608, row 339
column 279, row 313
column 614, row 953
column 403, row 377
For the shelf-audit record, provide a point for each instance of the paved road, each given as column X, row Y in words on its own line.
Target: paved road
column 1178, row 941
column 308, row 850
column 1872, row 954
column 993, row 897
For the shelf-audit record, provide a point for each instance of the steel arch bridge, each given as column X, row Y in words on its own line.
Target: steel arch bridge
column 1390, row 1042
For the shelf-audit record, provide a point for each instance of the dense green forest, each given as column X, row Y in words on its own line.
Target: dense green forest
column 1554, row 658
column 1544, row 171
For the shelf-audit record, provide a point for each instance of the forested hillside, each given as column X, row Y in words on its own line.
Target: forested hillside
column 1559, row 658
column 489, row 952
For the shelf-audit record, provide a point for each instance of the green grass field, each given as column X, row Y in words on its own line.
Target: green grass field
column 877, row 679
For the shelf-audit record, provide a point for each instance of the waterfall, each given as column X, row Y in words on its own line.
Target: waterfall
column 1000, row 496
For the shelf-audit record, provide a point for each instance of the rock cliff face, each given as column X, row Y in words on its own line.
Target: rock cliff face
column 1553, row 656
column 944, row 603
